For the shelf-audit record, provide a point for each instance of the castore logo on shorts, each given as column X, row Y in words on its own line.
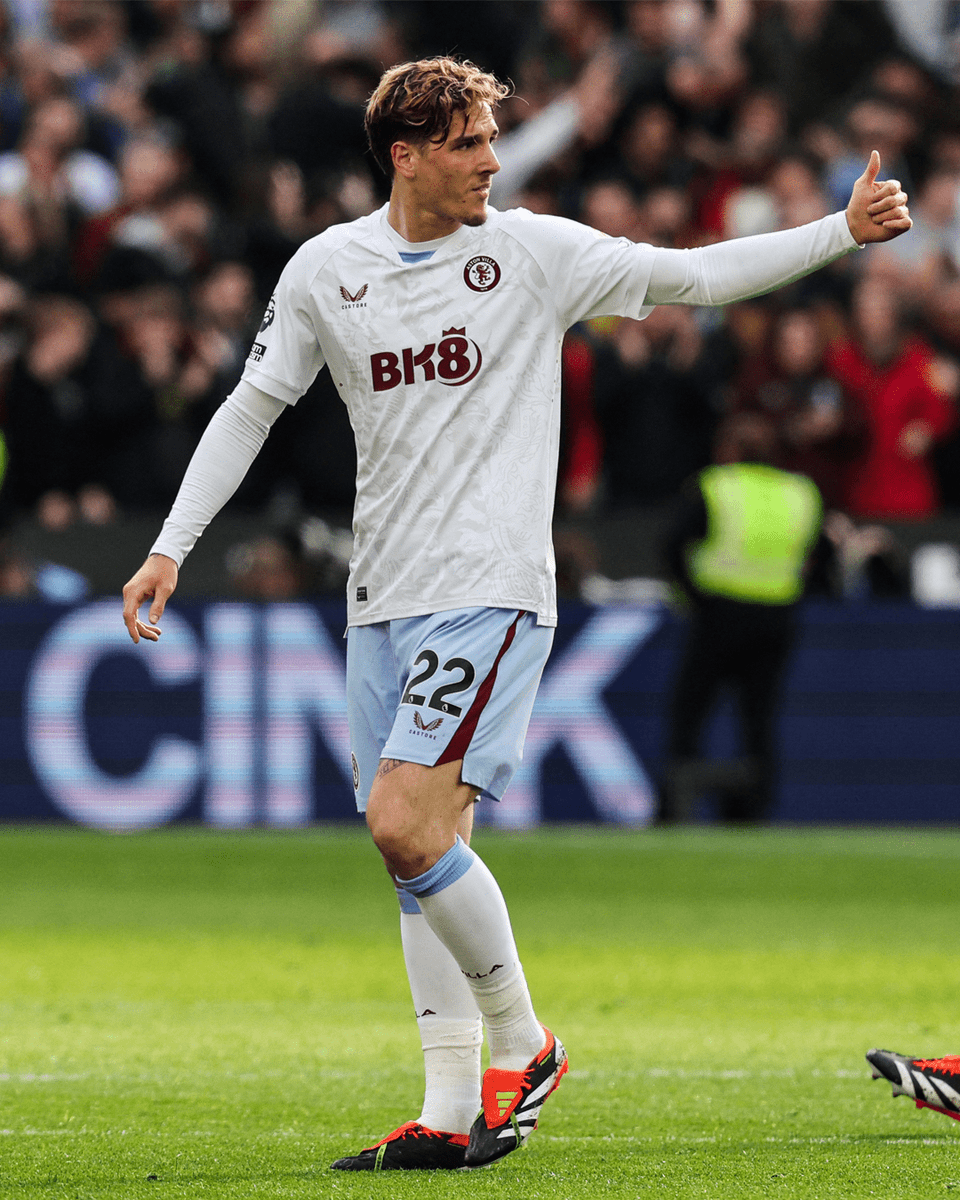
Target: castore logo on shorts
column 454, row 360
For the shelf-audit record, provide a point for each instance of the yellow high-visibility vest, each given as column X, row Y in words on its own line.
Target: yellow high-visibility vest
column 761, row 525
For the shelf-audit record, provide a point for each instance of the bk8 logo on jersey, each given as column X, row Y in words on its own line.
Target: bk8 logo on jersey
column 454, row 360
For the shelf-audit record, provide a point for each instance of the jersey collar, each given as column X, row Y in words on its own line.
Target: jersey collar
column 435, row 248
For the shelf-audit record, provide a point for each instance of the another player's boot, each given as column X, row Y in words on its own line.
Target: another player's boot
column 929, row 1082
column 412, row 1147
column 511, row 1104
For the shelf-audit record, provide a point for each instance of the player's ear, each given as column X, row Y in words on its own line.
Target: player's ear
column 404, row 156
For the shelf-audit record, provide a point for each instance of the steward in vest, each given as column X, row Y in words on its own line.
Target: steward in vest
column 738, row 548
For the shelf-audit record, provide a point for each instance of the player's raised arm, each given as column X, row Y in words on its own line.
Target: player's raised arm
column 877, row 211
column 155, row 580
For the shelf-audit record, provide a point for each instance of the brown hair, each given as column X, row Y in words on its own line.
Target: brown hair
column 417, row 102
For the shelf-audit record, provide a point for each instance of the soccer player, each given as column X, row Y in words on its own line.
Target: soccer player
column 440, row 321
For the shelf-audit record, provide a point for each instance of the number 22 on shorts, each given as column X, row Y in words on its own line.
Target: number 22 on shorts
column 431, row 664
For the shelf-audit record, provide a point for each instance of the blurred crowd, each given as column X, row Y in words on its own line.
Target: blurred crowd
column 160, row 160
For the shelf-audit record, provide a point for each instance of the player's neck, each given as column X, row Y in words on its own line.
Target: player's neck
column 416, row 224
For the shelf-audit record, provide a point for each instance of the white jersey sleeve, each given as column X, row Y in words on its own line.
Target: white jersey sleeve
column 285, row 363
column 588, row 273
column 748, row 266
column 230, row 443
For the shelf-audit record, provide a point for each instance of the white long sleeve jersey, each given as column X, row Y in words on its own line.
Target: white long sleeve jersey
column 447, row 356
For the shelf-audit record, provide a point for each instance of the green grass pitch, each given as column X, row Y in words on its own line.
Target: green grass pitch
column 196, row 1014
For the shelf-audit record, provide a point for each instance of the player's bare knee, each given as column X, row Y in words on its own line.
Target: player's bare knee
column 409, row 845
column 398, row 840
column 402, row 857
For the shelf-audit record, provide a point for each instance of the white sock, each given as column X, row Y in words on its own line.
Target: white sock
column 464, row 907
column 451, row 1032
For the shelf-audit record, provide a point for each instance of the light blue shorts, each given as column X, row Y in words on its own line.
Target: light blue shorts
column 435, row 689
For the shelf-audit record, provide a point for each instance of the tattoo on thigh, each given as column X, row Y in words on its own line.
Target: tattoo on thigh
column 387, row 765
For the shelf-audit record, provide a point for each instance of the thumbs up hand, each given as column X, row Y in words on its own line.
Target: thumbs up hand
column 877, row 211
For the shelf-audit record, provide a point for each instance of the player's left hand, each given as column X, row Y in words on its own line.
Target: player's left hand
column 877, row 211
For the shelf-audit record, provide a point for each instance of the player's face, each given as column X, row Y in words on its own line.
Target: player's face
column 452, row 183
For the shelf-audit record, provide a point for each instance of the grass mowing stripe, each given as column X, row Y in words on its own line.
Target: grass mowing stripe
column 202, row 1014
